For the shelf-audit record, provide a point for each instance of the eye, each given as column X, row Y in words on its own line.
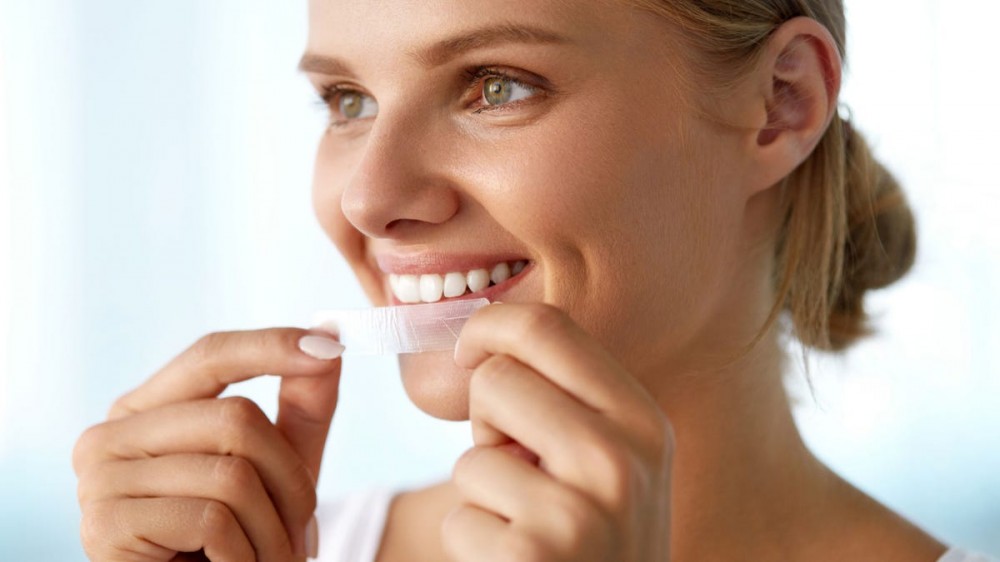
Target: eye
column 355, row 105
column 500, row 90
column 348, row 105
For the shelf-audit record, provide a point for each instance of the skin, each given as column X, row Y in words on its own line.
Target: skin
column 610, row 418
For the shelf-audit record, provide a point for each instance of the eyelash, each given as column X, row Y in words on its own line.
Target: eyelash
column 328, row 97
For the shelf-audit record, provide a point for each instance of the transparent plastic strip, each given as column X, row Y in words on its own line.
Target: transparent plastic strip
column 389, row 330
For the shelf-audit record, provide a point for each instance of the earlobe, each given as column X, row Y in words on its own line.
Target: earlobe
column 800, row 81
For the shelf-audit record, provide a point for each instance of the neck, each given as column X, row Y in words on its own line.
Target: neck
column 741, row 472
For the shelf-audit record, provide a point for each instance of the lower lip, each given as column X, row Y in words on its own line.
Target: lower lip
column 489, row 293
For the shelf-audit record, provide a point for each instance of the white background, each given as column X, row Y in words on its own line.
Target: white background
column 155, row 162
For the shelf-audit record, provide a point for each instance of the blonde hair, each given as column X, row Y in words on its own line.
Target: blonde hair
column 847, row 227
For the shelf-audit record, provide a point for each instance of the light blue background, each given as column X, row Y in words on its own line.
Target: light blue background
column 155, row 163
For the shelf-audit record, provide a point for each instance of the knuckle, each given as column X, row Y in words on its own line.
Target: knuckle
column 240, row 410
column 615, row 469
column 97, row 526
column 464, row 464
column 216, row 518
column 208, row 347
column 91, row 483
column 234, row 475
column 542, row 319
column 121, row 407
column 302, row 489
column 85, row 447
column 239, row 417
column 572, row 509
column 580, row 525
column 491, row 370
column 521, row 547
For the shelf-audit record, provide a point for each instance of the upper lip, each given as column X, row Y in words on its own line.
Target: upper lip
column 436, row 262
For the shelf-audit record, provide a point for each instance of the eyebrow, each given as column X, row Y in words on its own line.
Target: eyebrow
column 447, row 49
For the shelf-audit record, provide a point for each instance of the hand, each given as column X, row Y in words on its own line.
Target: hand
column 601, row 491
column 175, row 469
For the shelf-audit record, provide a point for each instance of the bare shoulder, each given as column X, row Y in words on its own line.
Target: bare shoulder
column 413, row 523
column 873, row 531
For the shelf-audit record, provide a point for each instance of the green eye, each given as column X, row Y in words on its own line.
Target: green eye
column 350, row 105
column 355, row 105
column 498, row 90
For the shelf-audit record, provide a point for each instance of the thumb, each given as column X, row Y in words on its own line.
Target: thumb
column 305, row 411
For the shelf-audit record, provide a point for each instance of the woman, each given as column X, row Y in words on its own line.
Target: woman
column 649, row 184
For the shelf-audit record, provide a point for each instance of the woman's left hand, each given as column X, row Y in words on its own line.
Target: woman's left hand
column 601, row 491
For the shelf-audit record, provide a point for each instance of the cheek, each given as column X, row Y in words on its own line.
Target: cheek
column 631, row 223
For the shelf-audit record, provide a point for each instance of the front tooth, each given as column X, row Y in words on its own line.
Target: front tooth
column 431, row 287
column 454, row 285
column 500, row 273
column 479, row 279
column 394, row 283
column 408, row 289
column 519, row 266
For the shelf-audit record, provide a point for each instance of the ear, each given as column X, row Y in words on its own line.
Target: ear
column 798, row 83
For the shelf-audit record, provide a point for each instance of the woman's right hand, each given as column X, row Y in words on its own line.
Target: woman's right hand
column 175, row 469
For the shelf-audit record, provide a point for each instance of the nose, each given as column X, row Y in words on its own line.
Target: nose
column 400, row 184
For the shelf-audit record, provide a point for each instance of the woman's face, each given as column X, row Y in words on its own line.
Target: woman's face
column 470, row 134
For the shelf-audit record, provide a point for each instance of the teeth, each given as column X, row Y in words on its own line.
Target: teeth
column 431, row 287
column 454, row 285
column 408, row 289
column 479, row 279
column 500, row 273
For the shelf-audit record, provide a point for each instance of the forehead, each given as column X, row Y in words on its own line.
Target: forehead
column 390, row 28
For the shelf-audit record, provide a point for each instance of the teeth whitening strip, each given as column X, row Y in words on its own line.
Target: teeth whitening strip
column 390, row 330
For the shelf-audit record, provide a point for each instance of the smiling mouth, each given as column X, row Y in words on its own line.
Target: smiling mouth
column 434, row 287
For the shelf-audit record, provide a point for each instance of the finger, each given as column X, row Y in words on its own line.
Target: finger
column 226, row 479
column 501, row 483
column 230, row 426
column 472, row 534
column 156, row 529
column 563, row 519
column 305, row 411
column 219, row 359
column 577, row 445
column 547, row 340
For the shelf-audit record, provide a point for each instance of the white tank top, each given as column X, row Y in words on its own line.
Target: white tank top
column 350, row 529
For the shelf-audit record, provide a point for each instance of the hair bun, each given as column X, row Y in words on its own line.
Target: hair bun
column 881, row 241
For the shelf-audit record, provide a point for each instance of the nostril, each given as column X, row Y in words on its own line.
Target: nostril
column 399, row 226
column 392, row 224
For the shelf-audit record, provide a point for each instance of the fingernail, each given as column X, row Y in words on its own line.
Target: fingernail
column 312, row 538
column 320, row 347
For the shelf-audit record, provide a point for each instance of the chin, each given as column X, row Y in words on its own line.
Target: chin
column 435, row 384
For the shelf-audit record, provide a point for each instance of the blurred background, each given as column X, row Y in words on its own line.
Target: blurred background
column 155, row 163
